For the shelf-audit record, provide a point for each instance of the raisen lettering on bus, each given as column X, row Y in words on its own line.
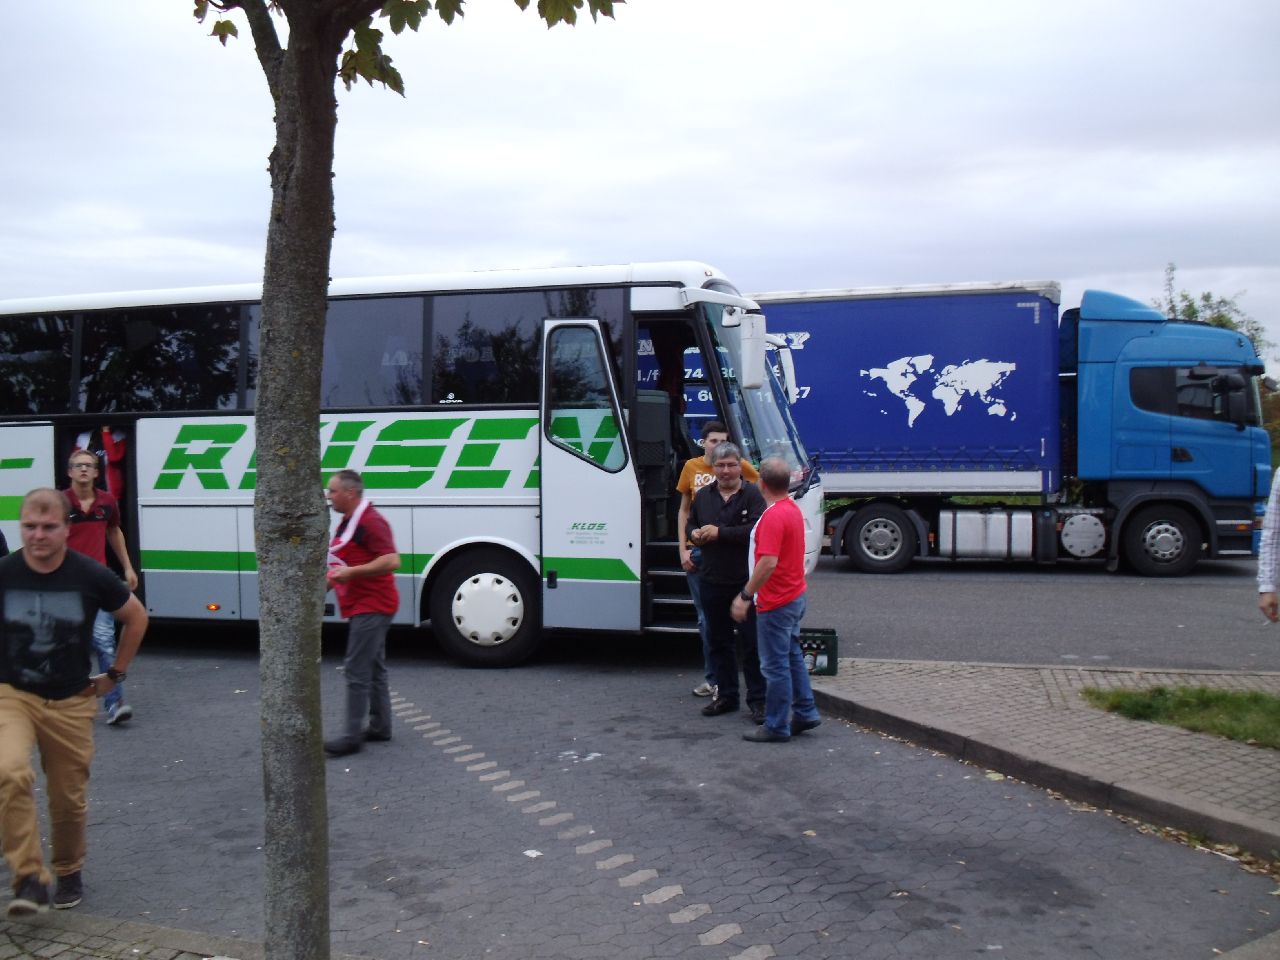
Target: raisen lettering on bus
column 404, row 454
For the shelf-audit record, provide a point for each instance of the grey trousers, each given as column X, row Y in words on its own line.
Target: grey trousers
column 365, row 668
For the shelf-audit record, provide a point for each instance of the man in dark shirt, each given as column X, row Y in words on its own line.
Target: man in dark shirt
column 720, row 522
column 49, row 597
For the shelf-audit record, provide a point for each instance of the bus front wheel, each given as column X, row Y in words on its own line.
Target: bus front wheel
column 484, row 609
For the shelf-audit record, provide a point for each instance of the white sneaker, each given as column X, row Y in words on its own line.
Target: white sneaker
column 120, row 713
column 704, row 689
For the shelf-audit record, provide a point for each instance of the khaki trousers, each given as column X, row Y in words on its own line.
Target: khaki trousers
column 63, row 730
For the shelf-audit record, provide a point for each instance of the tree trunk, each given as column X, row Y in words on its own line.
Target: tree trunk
column 290, row 516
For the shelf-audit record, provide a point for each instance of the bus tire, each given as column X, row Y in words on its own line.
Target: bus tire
column 880, row 539
column 1162, row 541
column 485, row 610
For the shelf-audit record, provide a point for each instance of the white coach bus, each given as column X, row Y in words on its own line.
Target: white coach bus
column 522, row 432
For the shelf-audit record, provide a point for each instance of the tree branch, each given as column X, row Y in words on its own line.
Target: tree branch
column 266, row 42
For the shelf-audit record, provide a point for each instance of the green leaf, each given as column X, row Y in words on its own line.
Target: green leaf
column 367, row 36
column 365, row 60
column 405, row 13
column 602, row 7
column 566, row 11
column 448, row 9
column 222, row 29
column 557, row 11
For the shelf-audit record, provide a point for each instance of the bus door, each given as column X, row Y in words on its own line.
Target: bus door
column 590, row 497
column 26, row 462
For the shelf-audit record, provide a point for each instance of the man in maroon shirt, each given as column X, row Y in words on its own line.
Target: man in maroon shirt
column 95, row 522
column 362, row 565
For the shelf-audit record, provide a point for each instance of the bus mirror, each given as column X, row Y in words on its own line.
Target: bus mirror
column 752, row 341
column 786, row 366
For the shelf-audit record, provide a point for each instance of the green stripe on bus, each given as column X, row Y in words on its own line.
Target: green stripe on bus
column 225, row 561
column 231, row 561
column 589, row 568
column 10, row 507
column 16, row 463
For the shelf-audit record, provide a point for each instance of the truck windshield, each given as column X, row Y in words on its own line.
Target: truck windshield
column 761, row 415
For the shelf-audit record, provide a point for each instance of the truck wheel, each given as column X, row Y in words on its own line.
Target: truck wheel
column 484, row 609
column 880, row 539
column 1162, row 541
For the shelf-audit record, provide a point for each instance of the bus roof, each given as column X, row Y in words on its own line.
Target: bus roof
column 687, row 273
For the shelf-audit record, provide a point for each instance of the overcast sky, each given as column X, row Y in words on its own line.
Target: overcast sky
column 794, row 145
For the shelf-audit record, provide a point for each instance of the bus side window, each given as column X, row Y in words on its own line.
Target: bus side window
column 373, row 352
column 160, row 358
column 35, row 363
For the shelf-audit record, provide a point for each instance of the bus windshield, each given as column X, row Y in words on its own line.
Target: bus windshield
column 762, row 415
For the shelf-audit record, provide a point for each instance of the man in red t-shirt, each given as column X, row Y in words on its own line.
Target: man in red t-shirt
column 777, row 587
column 95, row 523
column 362, row 563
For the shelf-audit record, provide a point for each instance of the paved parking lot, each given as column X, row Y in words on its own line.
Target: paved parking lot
column 581, row 807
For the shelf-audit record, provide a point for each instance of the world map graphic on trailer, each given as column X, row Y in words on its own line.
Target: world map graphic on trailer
column 915, row 380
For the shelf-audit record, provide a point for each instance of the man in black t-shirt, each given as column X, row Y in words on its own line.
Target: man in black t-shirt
column 49, row 597
column 720, row 522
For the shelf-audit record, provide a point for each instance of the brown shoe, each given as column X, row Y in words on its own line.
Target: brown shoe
column 719, row 706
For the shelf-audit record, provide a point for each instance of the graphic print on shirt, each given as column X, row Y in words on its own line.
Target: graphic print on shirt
column 42, row 634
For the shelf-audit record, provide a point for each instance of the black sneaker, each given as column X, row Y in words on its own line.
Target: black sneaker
column 376, row 736
column 69, row 892
column 757, row 713
column 341, row 747
column 31, row 896
column 799, row 726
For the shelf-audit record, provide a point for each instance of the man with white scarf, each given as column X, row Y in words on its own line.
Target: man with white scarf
column 362, row 563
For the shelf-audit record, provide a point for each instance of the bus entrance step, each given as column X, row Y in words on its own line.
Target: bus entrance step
column 673, row 629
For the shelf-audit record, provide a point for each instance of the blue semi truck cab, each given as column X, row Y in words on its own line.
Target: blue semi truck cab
column 971, row 420
column 1167, row 430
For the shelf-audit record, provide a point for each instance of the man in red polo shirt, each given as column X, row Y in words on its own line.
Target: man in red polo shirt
column 362, row 563
column 95, row 522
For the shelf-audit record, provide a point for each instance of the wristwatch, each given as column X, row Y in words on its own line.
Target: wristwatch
column 114, row 675
column 746, row 596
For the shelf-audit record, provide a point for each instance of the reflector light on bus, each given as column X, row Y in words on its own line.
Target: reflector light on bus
column 213, row 607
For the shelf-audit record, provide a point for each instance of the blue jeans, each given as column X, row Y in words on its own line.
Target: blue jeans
column 695, row 593
column 104, row 646
column 782, row 663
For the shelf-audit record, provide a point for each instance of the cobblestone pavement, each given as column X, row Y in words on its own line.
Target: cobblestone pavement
column 584, row 808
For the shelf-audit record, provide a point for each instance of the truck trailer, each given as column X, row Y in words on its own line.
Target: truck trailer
column 971, row 421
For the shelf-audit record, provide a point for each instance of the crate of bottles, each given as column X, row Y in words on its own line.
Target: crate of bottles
column 821, row 650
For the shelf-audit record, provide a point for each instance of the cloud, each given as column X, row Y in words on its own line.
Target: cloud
column 820, row 144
